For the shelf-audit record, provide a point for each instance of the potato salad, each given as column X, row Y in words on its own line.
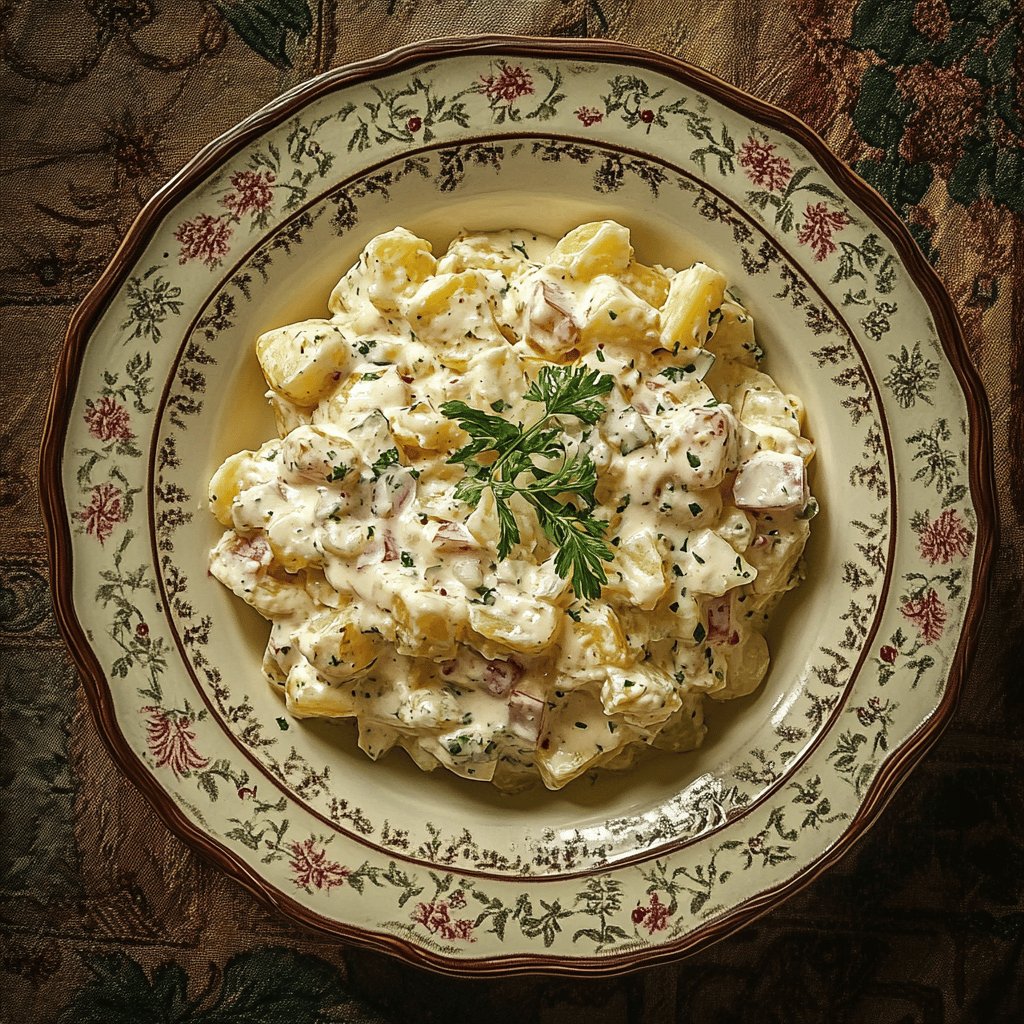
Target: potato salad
column 530, row 503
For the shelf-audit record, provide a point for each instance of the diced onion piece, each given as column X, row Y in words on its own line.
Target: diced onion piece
column 623, row 427
column 525, row 716
column 771, row 480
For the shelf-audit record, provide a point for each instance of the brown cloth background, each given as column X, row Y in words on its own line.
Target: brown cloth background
column 104, row 916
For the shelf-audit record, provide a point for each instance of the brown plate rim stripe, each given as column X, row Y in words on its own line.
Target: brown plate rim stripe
column 980, row 472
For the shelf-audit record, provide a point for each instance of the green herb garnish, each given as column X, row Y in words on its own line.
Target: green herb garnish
column 385, row 459
column 569, row 524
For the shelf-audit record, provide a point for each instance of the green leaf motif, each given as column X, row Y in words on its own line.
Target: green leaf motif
column 888, row 29
column 270, row 985
column 265, row 25
column 120, row 993
column 982, row 42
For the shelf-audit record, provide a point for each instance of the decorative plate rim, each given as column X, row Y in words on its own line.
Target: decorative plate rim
column 980, row 469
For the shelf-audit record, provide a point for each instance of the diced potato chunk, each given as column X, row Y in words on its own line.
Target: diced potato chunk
column 454, row 314
column 775, row 552
column 771, row 480
column 615, row 315
column 770, row 408
column 693, row 296
column 601, row 247
column 516, row 620
column 577, row 736
column 391, row 265
column 424, row 427
column 710, row 565
column 594, row 642
column 304, row 361
column 746, row 665
column 308, row 695
column 376, row 739
column 335, row 646
column 318, row 455
column 702, row 446
column 236, row 474
column 685, row 729
column 425, row 625
column 647, row 282
column 638, row 570
column 642, row 694
column 734, row 335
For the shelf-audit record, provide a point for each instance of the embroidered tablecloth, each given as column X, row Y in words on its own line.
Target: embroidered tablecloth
column 104, row 915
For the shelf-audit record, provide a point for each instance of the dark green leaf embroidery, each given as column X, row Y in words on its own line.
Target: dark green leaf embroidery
column 265, row 25
column 270, row 985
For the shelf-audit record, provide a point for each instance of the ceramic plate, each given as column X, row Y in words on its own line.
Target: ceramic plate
column 159, row 382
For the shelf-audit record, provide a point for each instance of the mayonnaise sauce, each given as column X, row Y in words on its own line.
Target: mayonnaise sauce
column 388, row 600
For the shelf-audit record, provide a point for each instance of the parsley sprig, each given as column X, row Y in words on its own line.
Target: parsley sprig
column 562, row 498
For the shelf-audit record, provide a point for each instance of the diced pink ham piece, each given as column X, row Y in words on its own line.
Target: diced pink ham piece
column 525, row 716
column 452, row 536
column 501, row 676
column 720, row 629
column 254, row 549
column 771, row 480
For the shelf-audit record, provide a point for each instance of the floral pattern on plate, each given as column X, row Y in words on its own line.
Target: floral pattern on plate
column 453, row 886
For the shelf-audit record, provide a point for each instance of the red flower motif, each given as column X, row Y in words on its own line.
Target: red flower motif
column 654, row 917
column 172, row 741
column 414, row 124
column 253, row 192
column 888, row 654
column 945, row 538
column 819, row 224
column 142, row 630
column 763, row 166
column 928, row 613
column 203, row 238
column 589, row 116
column 104, row 511
column 436, row 918
column 108, row 420
column 508, row 86
column 311, row 868
column 647, row 116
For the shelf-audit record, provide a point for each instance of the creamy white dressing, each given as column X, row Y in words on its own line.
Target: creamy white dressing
column 388, row 600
